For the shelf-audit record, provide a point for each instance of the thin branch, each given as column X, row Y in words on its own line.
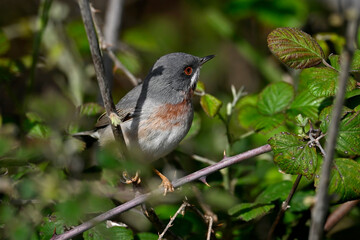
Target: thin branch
column 226, row 162
column 284, row 207
column 210, row 220
column 322, row 199
column 202, row 159
column 99, row 68
column 172, row 219
column 135, row 81
column 109, row 47
column 339, row 213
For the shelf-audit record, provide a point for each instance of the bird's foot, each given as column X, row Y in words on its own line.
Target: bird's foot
column 166, row 183
column 131, row 180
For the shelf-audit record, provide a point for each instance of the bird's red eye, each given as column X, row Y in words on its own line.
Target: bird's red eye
column 188, row 71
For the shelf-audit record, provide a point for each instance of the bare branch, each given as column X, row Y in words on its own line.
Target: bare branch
column 322, row 199
column 210, row 220
column 99, row 67
column 135, row 81
column 226, row 162
column 339, row 213
column 284, row 207
column 172, row 219
column 108, row 43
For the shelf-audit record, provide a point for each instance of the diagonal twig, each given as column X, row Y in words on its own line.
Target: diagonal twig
column 172, row 219
column 284, row 207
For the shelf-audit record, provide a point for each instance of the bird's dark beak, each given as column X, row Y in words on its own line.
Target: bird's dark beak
column 205, row 59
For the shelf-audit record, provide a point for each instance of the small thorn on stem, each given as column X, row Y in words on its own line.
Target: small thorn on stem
column 203, row 180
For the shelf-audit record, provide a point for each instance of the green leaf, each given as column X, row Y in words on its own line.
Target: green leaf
column 306, row 104
column 349, row 132
column 101, row 232
column 335, row 61
column 50, row 225
column 210, row 104
column 249, row 211
column 293, row 155
column 250, row 118
column 301, row 201
column 275, row 98
column 146, row 236
column 200, row 87
column 91, row 109
column 274, row 192
column 323, row 82
column 355, row 65
column 295, row 48
column 344, row 180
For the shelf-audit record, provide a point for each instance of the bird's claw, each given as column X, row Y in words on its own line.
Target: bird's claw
column 166, row 183
column 131, row 180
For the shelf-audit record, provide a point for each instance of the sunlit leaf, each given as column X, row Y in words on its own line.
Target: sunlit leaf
column 323, row 82
column 200, row 87
column 250, row 211
column 249, row 117
column 295, row 48
column 275, row 98
column 344, row 180
column 306, row 104
column 210, row 104
column 293, row 155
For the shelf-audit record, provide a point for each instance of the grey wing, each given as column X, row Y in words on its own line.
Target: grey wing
column 126, row 108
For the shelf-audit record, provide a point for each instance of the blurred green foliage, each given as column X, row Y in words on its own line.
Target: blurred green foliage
column 48, row 183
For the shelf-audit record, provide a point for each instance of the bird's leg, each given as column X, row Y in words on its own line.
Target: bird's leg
column 168, row 187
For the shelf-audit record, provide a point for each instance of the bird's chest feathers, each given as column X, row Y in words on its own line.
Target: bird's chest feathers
column 161, row 129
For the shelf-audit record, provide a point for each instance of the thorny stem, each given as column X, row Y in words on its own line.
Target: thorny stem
column 172, row 219
column 226, row 162
column 284, row 207
column 322, row 199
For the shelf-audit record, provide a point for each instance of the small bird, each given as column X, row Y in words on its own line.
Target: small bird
column 157, row 114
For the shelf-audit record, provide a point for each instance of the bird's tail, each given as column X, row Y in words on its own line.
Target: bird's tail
column 88, row 137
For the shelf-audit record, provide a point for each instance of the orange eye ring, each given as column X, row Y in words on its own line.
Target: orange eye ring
column 188, row 71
